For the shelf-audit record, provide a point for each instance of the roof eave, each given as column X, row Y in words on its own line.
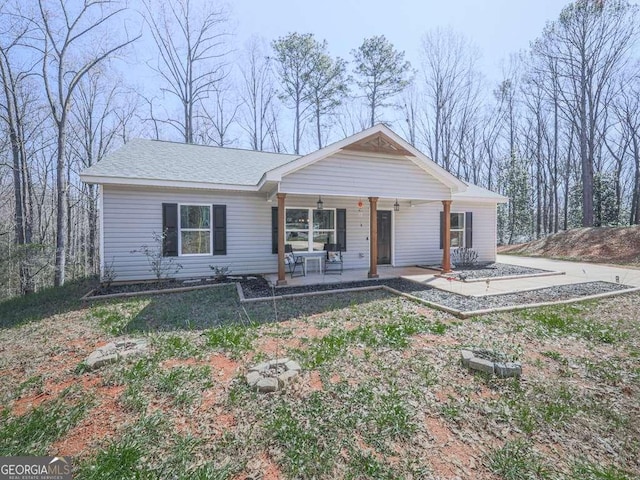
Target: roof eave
column 150, row 182
column 487, row 199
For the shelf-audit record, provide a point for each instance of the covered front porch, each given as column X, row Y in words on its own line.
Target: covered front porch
column 377, row 235
column 355, row 275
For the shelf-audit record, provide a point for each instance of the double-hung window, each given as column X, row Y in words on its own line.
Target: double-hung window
column 195, row 229
column 457, row 230
column 308, row 229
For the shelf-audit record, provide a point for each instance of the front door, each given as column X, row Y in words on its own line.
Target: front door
column 384, row 237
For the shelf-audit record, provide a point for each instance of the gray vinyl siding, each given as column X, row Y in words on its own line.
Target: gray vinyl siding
column 365, row 176
column 132, row 215
column 417, row 232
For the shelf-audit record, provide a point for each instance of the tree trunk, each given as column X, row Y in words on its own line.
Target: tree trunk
column 585, row 158
column 635, row 203
column 93, row 225
column 61, row 217
column 318, row 129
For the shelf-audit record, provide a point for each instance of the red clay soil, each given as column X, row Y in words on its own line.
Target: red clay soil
column 616, row 245
column 101, row 422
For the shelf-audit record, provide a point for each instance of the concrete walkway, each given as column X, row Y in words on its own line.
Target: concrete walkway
column 568, row 273
column 574, row 272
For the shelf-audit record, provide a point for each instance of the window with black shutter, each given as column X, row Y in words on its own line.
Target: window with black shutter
column 170, row 229
column 219, row 229
column 461, row 230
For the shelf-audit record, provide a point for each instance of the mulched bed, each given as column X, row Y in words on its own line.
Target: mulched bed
column 255, row 286
column 491, row 270
column 258, row 289
column 173, row 283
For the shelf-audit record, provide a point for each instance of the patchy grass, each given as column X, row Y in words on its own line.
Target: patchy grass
column 572, row 320
column 50, row 301
column 33, row 432
column 516, row 460
column 382, row 393
column 234, row 339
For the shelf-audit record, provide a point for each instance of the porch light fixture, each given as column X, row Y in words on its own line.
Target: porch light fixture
column 396, row 206
column 320, row 203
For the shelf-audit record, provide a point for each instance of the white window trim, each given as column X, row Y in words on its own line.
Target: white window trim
column 180, row 230
column 463, row 229
column 309, row 228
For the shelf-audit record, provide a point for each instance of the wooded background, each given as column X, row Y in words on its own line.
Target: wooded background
column 559, row 134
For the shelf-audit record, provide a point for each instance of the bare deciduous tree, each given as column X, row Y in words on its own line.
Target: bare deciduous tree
column 191, row 38
column 589, row 44
column 258, row 94
column 14, row 108
column 451, row 86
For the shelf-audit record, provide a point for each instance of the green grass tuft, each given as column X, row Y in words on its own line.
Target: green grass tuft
column 588, row 471
column 564, row 320
column 235, row 339
column 33, row 432
column 174, row 346
column 516, row 460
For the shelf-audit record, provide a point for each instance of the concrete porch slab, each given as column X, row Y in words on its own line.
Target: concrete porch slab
column 575, row 272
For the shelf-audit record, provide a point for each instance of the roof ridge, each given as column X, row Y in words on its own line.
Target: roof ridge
column 212, row 146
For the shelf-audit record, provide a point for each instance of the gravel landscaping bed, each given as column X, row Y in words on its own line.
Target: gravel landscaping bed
column 550, row 294
column 494, row 270
column 491, row 270
column 463, row 303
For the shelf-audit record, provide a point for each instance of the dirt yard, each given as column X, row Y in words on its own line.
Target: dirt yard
column 382, row 393
column 613, row 245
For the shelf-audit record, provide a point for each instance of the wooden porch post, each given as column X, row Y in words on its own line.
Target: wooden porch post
column 373, row 237
column 281, row 233
column 446, row 243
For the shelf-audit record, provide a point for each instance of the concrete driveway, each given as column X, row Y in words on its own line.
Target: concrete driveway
column 568, row 273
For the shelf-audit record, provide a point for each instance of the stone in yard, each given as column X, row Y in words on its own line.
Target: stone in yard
column 268, row 384
column 253, row 378
column 99, row 359
column 261, row 367
column 466, row 355
column 284, row 378
column 508, row 369
column 279, row 361
column 481, row 365
column 114, row 351
column 293, row 365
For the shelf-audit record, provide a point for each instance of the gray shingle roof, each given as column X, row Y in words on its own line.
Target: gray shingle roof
column 159, row 160
column 475, row 192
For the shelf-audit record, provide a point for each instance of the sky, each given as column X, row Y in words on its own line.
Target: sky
column 497, row 27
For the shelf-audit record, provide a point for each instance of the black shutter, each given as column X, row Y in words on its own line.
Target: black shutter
column 468, row 230
column 341, row 228
column 441, row 230
column 274, row 229
column 170, row 229
column 219, row 229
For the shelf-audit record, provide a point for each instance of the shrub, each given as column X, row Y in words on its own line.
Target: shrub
column 162, row 267
column 220, row 273
column 464, row 257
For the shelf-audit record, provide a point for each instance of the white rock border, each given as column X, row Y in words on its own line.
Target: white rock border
column 258, row 376
column 470, row 358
